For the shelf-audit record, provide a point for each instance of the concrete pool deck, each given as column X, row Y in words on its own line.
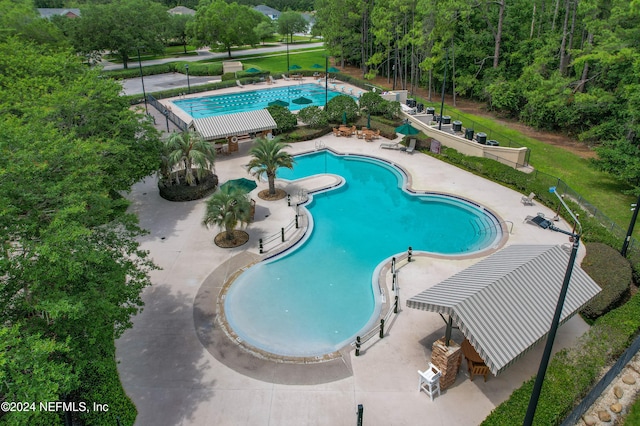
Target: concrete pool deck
column 174, row 379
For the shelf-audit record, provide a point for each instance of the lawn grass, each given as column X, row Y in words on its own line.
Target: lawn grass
column 600, row 189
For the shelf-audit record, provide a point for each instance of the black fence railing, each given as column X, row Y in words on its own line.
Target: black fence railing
column 167, row 113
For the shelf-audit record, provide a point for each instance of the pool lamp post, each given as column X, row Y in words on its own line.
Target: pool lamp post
column 186, row 67
column 444, row 81
column 144, row 94
column 625, row 245
column 326, row 81
column 546, row 356
column 288, row 73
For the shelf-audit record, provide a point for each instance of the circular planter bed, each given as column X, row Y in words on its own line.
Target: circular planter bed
column 184, row 192
column 239, row 238
column 279, row 195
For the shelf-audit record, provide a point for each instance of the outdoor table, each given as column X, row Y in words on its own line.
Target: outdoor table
column 345, row 131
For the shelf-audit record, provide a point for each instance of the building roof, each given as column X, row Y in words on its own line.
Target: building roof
column 48, row 12
column 240, row 123
column 269, row 11
column 181, row 10
column 504, row 304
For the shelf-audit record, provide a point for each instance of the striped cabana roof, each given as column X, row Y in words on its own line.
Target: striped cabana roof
column 239, row 123
column 504, row 304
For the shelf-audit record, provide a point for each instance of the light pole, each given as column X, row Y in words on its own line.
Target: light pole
column 144, row 94
column 186, row 67
column 326, row 82
column 444, row 81
column 288, row 75
column 546, row 355
column 625, row 245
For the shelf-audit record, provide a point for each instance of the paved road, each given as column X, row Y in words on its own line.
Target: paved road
column 206, row 54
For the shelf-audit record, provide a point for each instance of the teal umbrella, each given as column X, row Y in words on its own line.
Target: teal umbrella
column 344, row 118
column 295, row 67
column 302, row 101
column 242, row 184
column 279, row 103
column 332, row 69
column 368, row 121
column 253, row 70
column 317, row 66
column 407, row 129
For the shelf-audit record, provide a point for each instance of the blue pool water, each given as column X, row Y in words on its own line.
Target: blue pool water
column 244, row 100
column 317, row 298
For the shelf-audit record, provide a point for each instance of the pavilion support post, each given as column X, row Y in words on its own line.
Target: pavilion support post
column 447, row 333
column 448, row 359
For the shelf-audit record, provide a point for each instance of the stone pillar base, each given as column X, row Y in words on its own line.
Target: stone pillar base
column 448, row 360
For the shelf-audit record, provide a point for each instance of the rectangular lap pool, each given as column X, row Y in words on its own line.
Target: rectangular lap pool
column 251, row 100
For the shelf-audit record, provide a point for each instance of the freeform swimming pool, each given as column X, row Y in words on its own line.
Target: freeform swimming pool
column 316, row 298
column 209, row 106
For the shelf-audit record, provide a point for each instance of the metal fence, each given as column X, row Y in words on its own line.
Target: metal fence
column 574, row 417
column 169, row 114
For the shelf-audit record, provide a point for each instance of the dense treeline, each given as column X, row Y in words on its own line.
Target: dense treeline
column 281, row 5
column 71, row 271
column 567, row 65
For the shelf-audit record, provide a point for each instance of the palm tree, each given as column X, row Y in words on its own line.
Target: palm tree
column 190, row 149
column 268, row 156
column 226, row 208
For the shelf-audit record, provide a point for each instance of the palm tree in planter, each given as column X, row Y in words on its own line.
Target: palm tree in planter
column 190, row 149
column 225, row 209
column 268, row 156
column 186, row 167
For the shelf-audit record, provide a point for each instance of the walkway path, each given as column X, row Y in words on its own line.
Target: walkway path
column 174, row 379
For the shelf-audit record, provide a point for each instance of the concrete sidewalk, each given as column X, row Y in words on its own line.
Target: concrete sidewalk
column 176, row 378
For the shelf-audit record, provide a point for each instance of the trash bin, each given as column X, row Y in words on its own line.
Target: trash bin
column 481, row 138
column 420, row 107
column 446, row 119
column 468, row 134
column 431, row 110
column 457, row 126
column 492, row 142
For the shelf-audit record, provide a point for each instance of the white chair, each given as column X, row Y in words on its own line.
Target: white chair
column 272, row 80
column 411, row 147
column 429, row 380
column 528, row 201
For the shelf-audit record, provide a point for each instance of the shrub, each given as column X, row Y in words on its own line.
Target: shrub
column 612, row 272
column 283, row 117
column 373, row 103
column 337, row 106
column 313, row 116
column 183, row 192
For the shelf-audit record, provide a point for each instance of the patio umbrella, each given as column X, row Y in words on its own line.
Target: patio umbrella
column 333, row 69
column 407, row 129
column 242, row 184
column 317, row 66
column 279, row 103
column 344, row 118
column 253, row 70
column 295, row 67
column 302, row 101
column 368, row 121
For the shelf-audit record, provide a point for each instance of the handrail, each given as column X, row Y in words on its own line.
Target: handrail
column 295, row 223
column 496, row 224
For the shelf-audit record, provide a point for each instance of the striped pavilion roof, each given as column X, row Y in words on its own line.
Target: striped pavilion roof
column 239, row 123
column 504, row 304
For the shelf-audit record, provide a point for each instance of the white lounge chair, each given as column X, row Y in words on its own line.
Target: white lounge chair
column 285, row 77
column 412, row 146
column 239, row 84
column 272, row 80
column 528, row 201
column 389, row 145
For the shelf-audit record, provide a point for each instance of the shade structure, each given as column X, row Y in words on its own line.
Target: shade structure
column 242, row 184
column 239, row 123
column 407, row 129
column 317, row 66
column 253, row 70
column 302, row 101
column 333, row 69
column 279, row 102
column 504, row 304
column 295, row 67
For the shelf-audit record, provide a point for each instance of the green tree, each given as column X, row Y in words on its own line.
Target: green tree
column 189, row 149
column 313, row 116
column 218, row 23
column 265, row 30
column 289, row 23
column 226, row 208
column 122, row 27
column 267, row 156
column 178, row 29
column 284, row 118
column 341, row 105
